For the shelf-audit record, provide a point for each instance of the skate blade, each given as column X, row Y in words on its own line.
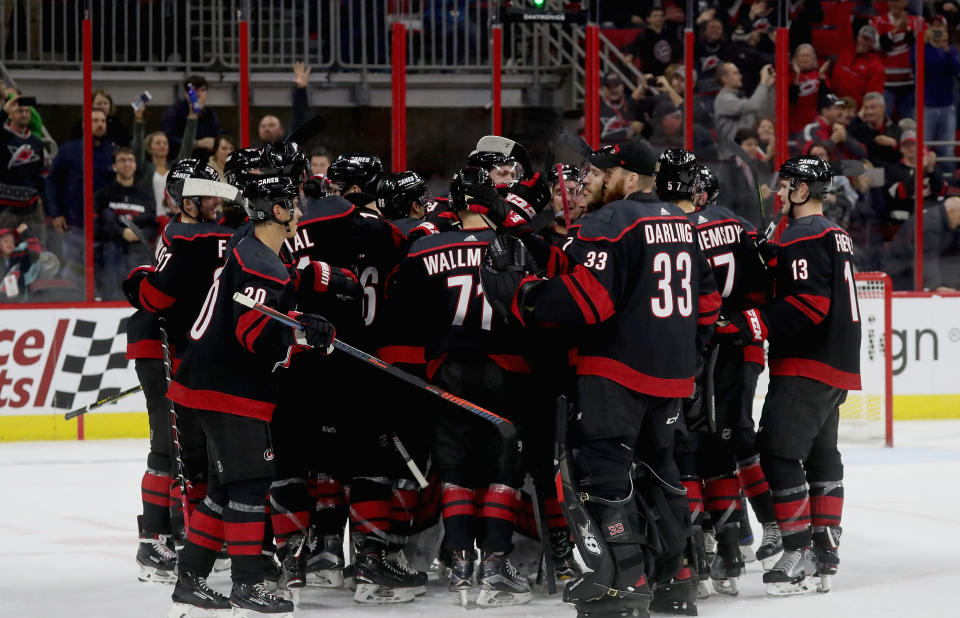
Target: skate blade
column 703, row 591
column 374, row 594
column 184, row 610
column 824, row 583
column 501, row 598
column 156, row 576
column 252, row 613
column 791, row 589
column 462, row 598
column 331, row 578
column 770, row 562
column 727, row 586
column 419, row 591
column 221, row 564
column 290, row 594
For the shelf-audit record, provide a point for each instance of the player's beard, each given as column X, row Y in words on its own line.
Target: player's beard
column 613, row 189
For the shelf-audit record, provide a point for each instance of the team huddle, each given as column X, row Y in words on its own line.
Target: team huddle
column 610, row 315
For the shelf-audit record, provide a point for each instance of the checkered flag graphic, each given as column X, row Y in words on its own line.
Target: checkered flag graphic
column 94, row 360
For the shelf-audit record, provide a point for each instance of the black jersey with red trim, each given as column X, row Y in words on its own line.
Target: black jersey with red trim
column 143, row 336
column 233, row 350
column 814, row 317
column 728, row 242
column 635, row 278
column 437, row 294
column 188, row 255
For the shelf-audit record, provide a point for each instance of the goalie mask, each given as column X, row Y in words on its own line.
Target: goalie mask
column 501, row 168
column 192, row 179
column 678, row 177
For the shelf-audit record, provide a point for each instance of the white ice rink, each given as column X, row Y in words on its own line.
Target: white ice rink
column 68, row 539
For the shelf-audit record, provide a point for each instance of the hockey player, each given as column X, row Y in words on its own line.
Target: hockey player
column 356, row 172
column 814, row 332
column 576, row 203
column 632, row 261
column 501, row 168
column 225, row 375
column 403, row 197
column 473, row 355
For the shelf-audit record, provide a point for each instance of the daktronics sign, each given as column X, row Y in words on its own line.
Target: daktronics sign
column 54, row 360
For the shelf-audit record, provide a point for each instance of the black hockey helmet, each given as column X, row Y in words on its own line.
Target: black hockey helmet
column 488, row 160
column 395, row 193
column 243, row 166
column 569, row 173
column 678, row 176
column 808, row 169
column 708, row 184
column 286, row 158
column 265, row 191
column 357, row 168
column 468, row 184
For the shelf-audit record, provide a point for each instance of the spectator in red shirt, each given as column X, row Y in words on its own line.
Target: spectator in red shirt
column 862, row 71
column 830, row 131
column 805, row 80
column 897, row 37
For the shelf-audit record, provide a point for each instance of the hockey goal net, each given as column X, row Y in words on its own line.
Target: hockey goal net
column 867, row 414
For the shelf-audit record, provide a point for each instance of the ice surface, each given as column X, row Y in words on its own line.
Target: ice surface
column 68, row 539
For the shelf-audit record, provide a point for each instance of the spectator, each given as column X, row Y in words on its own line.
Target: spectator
column 21, row 169
column 117, row 250
column 709, row 52
column 64, row 191
column 615, row 111
column 875, row 131
column 740, row 180
column 850, row 107
column 896, row 29
column 270, row 129
column 754, row 26
column 829, row 130
column 222, row 148
column 900, row 178
column 732, row 111
column 658, row 113
column 174, row 121
column 319, row 161
column 941, row 239
column 861, row 71
column 805, row 87
column 22, row 261
column 766, row 130
column 152, row 153
column 657, row 46
column 942, row 63
column 117, row 132
column 839, row 202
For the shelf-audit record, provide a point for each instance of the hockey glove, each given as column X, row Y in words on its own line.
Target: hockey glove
column 331, row 279
column 768, row 252
column 318, row 332
column 434, row 224
column 506, row 272
column 743, row 327
column 317, row 187
column 131, row 285
column 528, row 197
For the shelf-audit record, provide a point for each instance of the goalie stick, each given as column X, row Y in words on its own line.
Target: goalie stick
column 167, row 375
column 102, row 402
column 506, row 429
column 308, row 130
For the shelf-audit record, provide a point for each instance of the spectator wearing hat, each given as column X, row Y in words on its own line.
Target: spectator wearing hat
column 897, row 31
column 861, row 71
column 830, row 131
column 615, row 111
column 876, row 131
column 657, row 46
column 806, row 82
column 733, row 111
column 899, row 182
column 941, row 250
column 942, row 63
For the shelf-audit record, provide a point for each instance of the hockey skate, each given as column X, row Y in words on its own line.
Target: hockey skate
column 727, row 564
column 377, row 579
column 325, row 563
column 254, row 600
column 271, row 570
column 632, row 602
column 418, row 578
column 677, row 596
column 500, row 584
column 223, row 560
column 770, row 546
column 793, row 574
column 564, row 564
column 826, row 541
column 158, row 562
column 193, row 598
column 460, row 564
column 293, row 563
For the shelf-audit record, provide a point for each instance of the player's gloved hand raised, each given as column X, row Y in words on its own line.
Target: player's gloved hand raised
column 131, row 285
column 527, row 197
column 434, row 224
column 318, row 331
column 332, row 279
column 743, row 327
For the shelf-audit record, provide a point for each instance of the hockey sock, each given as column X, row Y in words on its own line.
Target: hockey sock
column 244, row 518
column 694, row 498
column 403, row 509
column 826, row 503
column 155, row 494
column 791, row 501
column 722, row 499
column 754, row 484
column 289, row 508
column 428, row 506
column 330, row 510
column 458, row 513
column 499, row 512
column 370, row 499
column 526, row 519
column 205, row 537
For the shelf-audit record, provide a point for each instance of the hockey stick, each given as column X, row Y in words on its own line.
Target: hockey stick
column 506, row 429
column 563, row 196
column 306, row 131
column 543, row 532
column 411, row 464
column 167, row 375
column 102, row 402
column 575, row 143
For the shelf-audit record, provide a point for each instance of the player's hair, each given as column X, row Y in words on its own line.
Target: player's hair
column 320, row 151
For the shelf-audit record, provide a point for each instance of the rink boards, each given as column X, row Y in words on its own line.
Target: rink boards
column 53, row 360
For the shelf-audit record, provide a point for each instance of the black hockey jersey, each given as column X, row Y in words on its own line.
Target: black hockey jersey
column 115, row 201
column 815, row 318
column 188, row 255
column 636, row 279
column 21, row 167
column 233, row 350
column 437, row 293
column 143, row 336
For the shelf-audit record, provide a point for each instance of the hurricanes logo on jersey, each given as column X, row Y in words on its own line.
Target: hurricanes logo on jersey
column 21, row 155
column 268, row 455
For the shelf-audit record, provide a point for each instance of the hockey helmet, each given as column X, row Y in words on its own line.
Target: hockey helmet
column 397, row 191
column 569, row 173
column 243, row 166
column 488, row 160
column 808, row 169
column 357, row 168
column 267, row 191
column 467, row 185
column 678, row 177
column 190, row 178
column 286, row 158
column 709, row 184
